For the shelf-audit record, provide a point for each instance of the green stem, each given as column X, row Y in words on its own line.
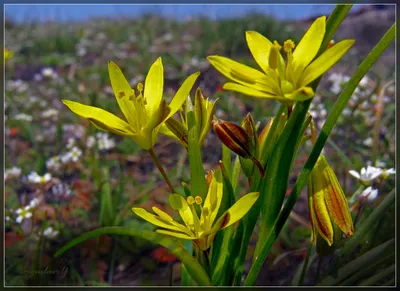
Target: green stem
column 160, row 167
column 317, row 275
column 323, row 136
column 305, row 265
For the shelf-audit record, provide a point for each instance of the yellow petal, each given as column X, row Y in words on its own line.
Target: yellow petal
column 324, row 62
column 8, row 54
column 153, row 87
column 301, row 94
column 260, row 48
column 240, row 208
column 101, row 118
column 165, row 216
column 250, row 91
column 184, row 211
column 308, row 46
column 123, row 92
column 175, row 234
column 214, row 197
column 156, row 220
column 182, row 93
column 241, row 74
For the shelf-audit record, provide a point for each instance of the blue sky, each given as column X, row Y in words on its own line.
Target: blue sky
column 76, row 12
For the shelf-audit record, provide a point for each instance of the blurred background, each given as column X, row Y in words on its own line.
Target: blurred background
column 60, row 171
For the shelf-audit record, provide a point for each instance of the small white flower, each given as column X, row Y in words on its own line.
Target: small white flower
column 386, row 173
column 50, row 113
column 105, row 143
column 367, row 175
column 14, row 172
column 33, row 177
column 50, row 232
column 23, row 213
column 7, row 218
column 49, row 73
column 75, row 154
column 66, row 158
column 70, row 143
column 368, row 141
column 23, row 116
column 54, row 163
column 34, row 202
column 369, row 193
column 90, row 142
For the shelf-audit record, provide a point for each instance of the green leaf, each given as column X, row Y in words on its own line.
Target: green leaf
column 373, row 280
column 226, row 159
column 365, row 226
column 249, row 221
column 383, row 250
column 235, row 173
column 193, row 267
column 197, row 176
column 274, row 185
column 222, row 245
column 186, row 280
column 106, row 216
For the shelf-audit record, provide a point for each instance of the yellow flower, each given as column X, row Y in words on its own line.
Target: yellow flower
column 327, row 202
column 145, row 111
column 285, row 82
column 7, row 54
column 200, row 230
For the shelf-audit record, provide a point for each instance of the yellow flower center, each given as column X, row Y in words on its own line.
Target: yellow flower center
column 190, row 200
column 198, row 200
column 288, row 46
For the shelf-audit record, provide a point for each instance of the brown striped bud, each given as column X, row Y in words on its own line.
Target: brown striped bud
column 235, row 138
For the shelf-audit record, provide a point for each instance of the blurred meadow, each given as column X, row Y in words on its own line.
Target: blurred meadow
column 59, row 169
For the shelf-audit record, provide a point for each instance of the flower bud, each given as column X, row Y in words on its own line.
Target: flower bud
column 327, row 203
column 179, row 130
column 204, row 112
column 235, row 138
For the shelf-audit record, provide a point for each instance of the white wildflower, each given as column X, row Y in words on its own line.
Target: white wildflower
column 23, row 213
column 34, row 203
column 90, row 142
column 385, row 173
column 14, row 172
column 75, row 154
column 49, row 73
column 369, row 193
column 23, row 116
column 35, row 178
column 54, row 163
column 70, row 143
column 49, row 113
column 367, row 175
column 368, row 141
column 50, row 232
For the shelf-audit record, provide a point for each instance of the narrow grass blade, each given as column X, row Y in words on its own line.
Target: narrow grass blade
column 193, row 267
